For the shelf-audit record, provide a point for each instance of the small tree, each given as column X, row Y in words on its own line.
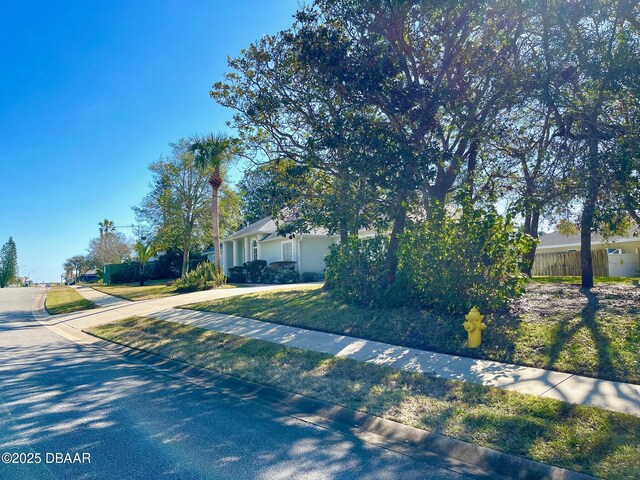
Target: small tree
column 77, row 266
column 109, row 247
column 8, row 263
column 144, row 252
column 177, row 207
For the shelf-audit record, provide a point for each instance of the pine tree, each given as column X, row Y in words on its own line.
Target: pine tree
column 8, row 263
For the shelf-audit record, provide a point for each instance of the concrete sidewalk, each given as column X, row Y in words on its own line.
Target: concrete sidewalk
column 99, row 298
column 616, row 396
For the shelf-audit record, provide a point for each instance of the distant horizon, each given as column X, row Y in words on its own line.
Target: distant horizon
column 92, row 94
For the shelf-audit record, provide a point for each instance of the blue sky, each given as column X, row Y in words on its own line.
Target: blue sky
column 91, row 92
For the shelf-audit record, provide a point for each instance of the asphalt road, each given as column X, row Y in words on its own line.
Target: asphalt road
column 138, row 423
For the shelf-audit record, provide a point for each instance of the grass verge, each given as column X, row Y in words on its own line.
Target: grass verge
column 584, row 439
column 554, row 326
column 66, row 300
column 134, row 292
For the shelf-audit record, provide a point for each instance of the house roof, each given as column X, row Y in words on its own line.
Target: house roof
column 264, row 225
column 313, row 231
column 556, row 239
column 268, row 227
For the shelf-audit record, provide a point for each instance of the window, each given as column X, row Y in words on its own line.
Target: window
column 614, row 251
column 571, row 250
column 254, row 250
column 287, row 251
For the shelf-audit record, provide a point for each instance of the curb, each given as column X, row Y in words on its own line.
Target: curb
column 438, row 450
column 433, row 448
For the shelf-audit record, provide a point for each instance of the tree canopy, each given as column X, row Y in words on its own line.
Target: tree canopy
column 176, row 211
column 385, row 112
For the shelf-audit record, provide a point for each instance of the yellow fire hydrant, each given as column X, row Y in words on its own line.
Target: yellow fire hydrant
column 474, row 327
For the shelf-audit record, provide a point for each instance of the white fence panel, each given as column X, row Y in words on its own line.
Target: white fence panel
column 623, row 265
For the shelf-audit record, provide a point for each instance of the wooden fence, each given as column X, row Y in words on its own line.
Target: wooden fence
column 568, row 263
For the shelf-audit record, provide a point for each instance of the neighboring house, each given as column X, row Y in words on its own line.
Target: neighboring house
column 211, row 253
column 623, row 250
column 260, row 241
column 89, row 276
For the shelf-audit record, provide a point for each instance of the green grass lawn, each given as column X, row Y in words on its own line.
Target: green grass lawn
column 66, row 300
column 554, row 326
column 584, row 439
column 134, row 292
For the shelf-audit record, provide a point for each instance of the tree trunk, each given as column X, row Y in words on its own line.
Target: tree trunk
column 399, row 223
column 531, row 228
column 186, row 247
column 141, row 274
column 215, row 214
column 586, row 224
column 588, row 213
column 344, row 236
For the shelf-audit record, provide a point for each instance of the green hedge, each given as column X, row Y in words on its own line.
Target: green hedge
column 451, row 264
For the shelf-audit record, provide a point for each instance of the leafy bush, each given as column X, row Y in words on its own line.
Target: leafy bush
column 204, row 277
column 125, row 273
column 356, row 270
column 257, row 271
column 254, row 271
column 465, row 261
column 169, row 264
column 312, row 277
column 283, row 272
column 237, row 275
column 450, row 265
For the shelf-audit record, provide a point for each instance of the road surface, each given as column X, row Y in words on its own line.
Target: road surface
column 90, row 414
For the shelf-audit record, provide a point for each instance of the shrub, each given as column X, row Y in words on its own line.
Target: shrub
column 462, row 262
column 204, row 277
column 257, row 271
column 283, row 272
column 125, row 273
column 452, row 265
column 237, row 275
column 254, row 271
column 312, row 277
column 356, row 270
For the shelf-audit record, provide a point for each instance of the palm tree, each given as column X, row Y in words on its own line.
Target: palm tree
column 144, row 252
column 211, row 152
column 106, row 226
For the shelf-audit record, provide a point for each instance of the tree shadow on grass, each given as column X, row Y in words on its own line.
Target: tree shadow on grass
column 609, row 362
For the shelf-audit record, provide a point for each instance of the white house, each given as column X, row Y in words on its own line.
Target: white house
column 260, row 241
column 623, row 250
